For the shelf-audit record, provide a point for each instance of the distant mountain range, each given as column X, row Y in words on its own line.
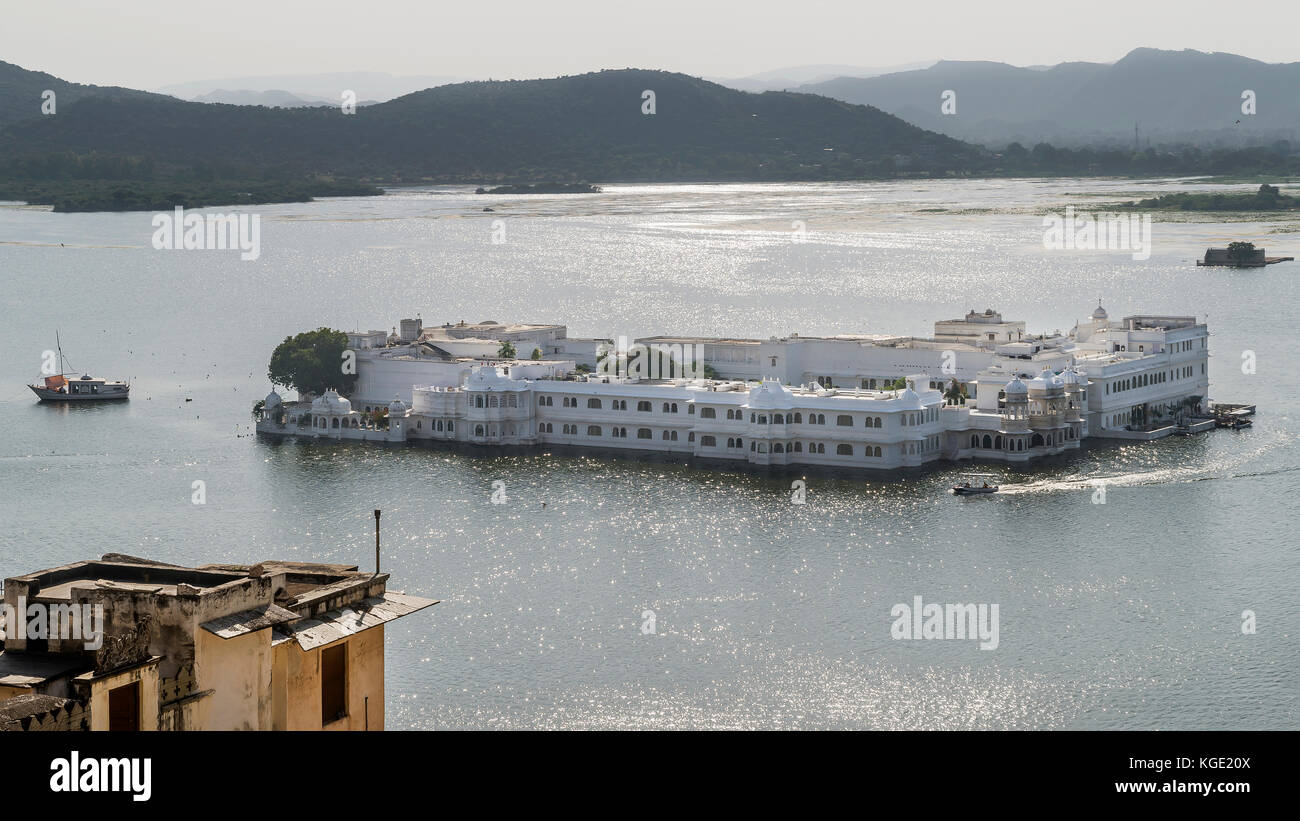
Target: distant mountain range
column 589, row 127
column 273, row 98
column 1172, row 96
column 787, row 79
column 120, row 149
column 326, row 88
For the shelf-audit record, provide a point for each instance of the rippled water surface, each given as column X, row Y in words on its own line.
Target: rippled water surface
column 767, row 614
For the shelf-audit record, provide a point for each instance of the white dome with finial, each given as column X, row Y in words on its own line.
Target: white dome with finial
column 1046, row 382
column 909, row 400
column 770, row 394
column 331, row 403
column 1016, row 388
column 272, row 400
column 397, row 407
column 1099, row 312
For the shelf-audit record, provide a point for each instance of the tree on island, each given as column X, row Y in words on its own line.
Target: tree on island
column 956, row 393
column 1241, row 252
column 313, row 362
column 507, row 350
column 537, row 354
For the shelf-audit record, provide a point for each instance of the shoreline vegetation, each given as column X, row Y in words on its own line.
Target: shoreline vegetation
column 80, row 196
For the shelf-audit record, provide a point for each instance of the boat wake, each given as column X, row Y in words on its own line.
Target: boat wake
column 1214, row 470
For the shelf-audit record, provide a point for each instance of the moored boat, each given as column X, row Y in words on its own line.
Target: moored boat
column 85, row 388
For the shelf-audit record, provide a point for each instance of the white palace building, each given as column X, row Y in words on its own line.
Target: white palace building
column 980, row 388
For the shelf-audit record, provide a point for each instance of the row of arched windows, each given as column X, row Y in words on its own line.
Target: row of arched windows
column 494, row 400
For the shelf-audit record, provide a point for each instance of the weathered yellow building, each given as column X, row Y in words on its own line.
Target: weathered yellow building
column 274, row 646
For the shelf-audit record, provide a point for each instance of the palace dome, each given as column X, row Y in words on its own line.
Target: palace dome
column 488, row 377
column 1069, row 377
column 331, row 403
column 1016, row 387
column 1046, row 381
column 272, row 400
column 770, row 394
column 910, row 400
column 1099, row 312
column 397, row 407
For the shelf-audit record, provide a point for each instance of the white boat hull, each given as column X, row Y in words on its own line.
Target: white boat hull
column 49, row 395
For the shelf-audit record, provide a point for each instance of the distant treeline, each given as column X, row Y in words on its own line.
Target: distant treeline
column 100, row 182
column 1046, row 160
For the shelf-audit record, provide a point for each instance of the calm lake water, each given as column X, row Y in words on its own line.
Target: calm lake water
column 1126, row 614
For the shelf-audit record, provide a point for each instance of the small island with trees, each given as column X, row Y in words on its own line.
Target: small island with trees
column 1267, row 198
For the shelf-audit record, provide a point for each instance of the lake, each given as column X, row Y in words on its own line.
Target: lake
column 767, row 614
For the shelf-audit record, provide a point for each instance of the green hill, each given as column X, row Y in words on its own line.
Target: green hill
column 586, row 127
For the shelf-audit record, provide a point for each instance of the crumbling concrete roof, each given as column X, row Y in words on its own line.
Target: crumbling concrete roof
column 338, row 624
column 30, row 669
column 14, row 711
column 249, row 621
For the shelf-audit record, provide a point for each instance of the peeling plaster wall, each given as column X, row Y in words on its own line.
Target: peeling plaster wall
column 239, row 671
column 302, row 684
column 147, row 675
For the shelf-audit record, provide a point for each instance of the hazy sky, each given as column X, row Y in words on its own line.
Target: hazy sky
column 151, row 43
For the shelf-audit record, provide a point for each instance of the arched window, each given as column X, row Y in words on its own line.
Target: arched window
column 708, row 442
column 643, row 406
column 1036, row 442
column 478, row 430
column 335, row 423
column 798, row 447
column 997, row 443
column 843, row 450
column 762, row 420
column 974, row 441
column 478, row 401
column 673, row 436
column 798, row 418
column 644, row 433
column 593, row 430
column 778, row 448
column 877, row 448
column 593, row 402
column 708, row 413
column 988, row 442
column 844, row 420
column 778, row 419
